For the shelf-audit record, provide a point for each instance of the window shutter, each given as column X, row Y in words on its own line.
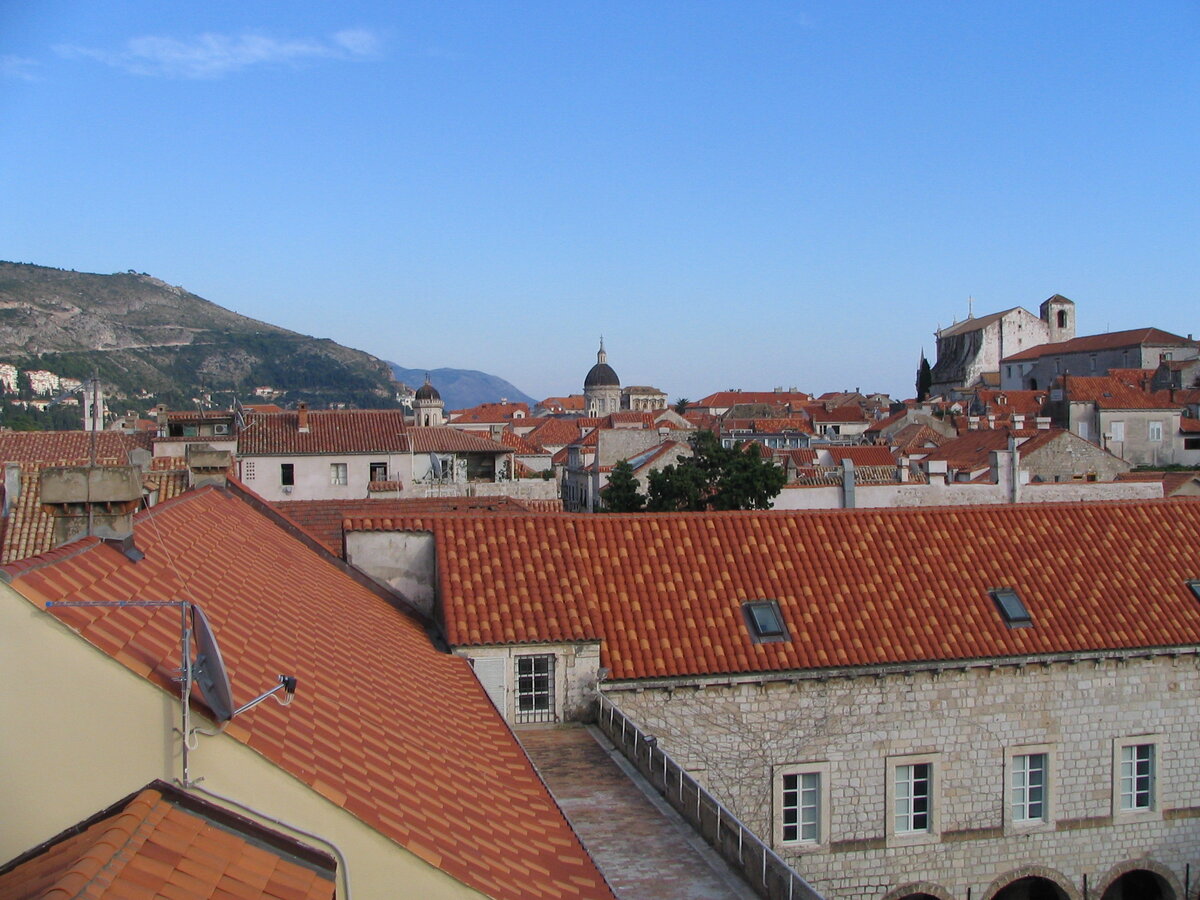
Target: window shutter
column 490, row 671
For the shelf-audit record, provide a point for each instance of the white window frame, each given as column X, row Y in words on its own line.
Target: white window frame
column 1117, row 429
column 1013, row 788
column 526, row 684
column 931, row 833
column 339, row 474
column 1122, row 778
column 1154, row 431
column 785, row 800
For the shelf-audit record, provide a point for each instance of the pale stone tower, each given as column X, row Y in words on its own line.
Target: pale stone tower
column 1059, row 315
column 602, row 387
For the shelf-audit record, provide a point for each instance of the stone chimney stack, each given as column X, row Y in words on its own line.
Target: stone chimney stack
column 302, row 417
column 95, row 500
column 207, row 466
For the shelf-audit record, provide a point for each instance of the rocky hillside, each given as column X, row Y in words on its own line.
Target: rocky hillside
column 154, row 342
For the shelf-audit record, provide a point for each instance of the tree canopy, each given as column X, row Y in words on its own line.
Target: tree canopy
column 621, row 492
column 924, row 379
column 716, row 478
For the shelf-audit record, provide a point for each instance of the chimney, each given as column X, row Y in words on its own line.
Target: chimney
column 207, row 466
column 496, row 429
column 1018, row 420
column 12, row 486
column 848, row 484
column 972, row 423
column 1043, row 423
column 95, row 500
column 902, row 470
column 302, row 417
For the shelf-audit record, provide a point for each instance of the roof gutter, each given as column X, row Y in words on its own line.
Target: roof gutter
column 933, row 667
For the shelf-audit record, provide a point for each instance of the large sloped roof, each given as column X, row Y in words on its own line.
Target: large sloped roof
column 329, row 431
column 1108, row 341
column 152, row 846
column 395, row 732
column 857, row 587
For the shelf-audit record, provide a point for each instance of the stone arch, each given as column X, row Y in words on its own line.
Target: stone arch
column 1172, row 889
column 919, row 889
column 1056, row 878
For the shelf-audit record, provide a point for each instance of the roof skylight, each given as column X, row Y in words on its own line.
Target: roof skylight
column 1194, row 584
column 765, row 621
column 1011, row 608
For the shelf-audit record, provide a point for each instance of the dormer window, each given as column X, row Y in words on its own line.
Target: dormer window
column 1011, row 608
column 765, row 621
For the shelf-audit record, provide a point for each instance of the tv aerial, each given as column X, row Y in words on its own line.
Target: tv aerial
column 206, row 670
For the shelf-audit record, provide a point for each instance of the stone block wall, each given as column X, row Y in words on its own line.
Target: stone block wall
column 738, row 737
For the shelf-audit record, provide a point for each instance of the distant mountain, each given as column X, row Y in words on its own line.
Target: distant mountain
column 153, row 342
column 461, row 388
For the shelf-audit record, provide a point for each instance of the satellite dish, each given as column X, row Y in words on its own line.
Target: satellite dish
column 208, row 669
column 435, row 463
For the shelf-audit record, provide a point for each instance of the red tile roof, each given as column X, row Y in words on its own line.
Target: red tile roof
column 856, row 587
column 1110, row 341
column 395, row 732
column 1108, row 392
column 153, row 847
column 726, row 399
column 491, row 412
column 554, row 433
column 972, row 450
column 329, row 431
column 838, row 414
column 64, row 448
column 863, row 456
column 917, row 438
column 975, row 324
column 434, row 439
column 1188, row 425
column 523, row 445
column 323, row 518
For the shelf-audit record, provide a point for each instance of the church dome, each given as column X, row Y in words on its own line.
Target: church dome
column 427, row 392
column 601, row 374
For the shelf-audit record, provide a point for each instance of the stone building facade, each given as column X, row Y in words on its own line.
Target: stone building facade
column 970, row 725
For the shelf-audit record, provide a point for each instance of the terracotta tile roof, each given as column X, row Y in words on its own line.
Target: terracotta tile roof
column 916, row 437
column 572, row 403
column 395, row 732
column 329, row 431
column 971, row 451
column 838, row 414
column 323, row 518
column 1006, row 403
column 523, row 445
column 801, row 456
column 491, row 412
column 703, row 421
column 725, row 399
column 883, row 423
column 856, row 587
column 1110, row 341
column 1188, row 425
column 153, row 847
column 646, row 459
column 440, row 439
column 63, row 448
column 1172, row 482
column 1111, row 393
column 863, row 456
column 781, row 425
column 554, row 433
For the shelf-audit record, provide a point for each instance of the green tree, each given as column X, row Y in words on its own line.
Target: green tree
column 621, row 493
column 680, row 406
column 924, row 379
column 716, row 477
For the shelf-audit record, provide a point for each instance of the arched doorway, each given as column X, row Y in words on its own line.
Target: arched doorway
column 1031, row 888
column 1139, row 885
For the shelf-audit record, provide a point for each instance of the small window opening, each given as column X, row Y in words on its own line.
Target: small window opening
column 765, row 621
column 1010, row 606
column 1194, row 584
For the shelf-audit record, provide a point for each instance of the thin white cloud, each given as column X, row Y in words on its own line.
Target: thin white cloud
column 215, row 55
column 18, row 67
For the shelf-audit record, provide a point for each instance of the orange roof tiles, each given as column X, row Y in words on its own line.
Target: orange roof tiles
column 554, row 433
column 323, row 518
column 491, row 412
column 856, row 587
column 1108, row 392
column 62, row 448
column 153, row 847
column 863, row 456
column 726, row 399
column 400, row 735
column 329, row 431
column 1109, row 341
column 440, row 439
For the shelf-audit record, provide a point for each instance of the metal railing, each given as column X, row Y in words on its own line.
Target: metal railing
column 762, row 868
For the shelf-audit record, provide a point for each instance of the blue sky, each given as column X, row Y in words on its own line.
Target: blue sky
column 738, row 194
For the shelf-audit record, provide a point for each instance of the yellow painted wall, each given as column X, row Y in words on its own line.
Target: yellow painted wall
column 79, row 731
